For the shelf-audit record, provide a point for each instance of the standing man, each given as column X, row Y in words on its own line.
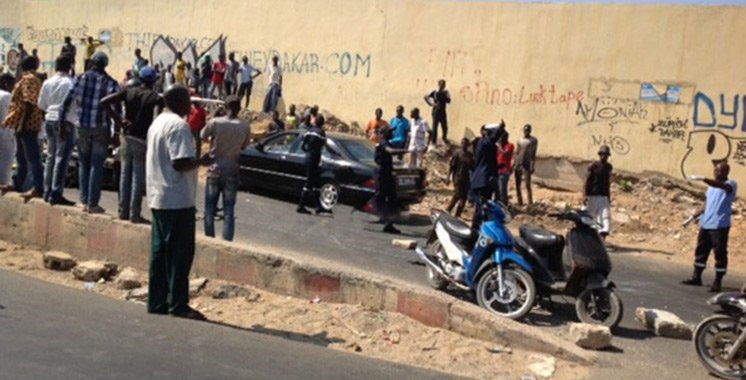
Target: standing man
column 138, row 64
column 25, row 117
column 22, row 54
column 438, row 99
column 7, row 135
column 598, row 191
column 60, row 133
column 485, row 168
column 714, row 225
column 274, row 89
column 291, row 119
column 462, row 162
column 276, row 125
column 399, row 130
column 385, row 199
column 180, row 71
column 228, row 135
column 375, row 126
column 525, row 160
column 418, row 137
column 205, row 69
column 94, row 133
column 219, row 69
column 171, row 168
column 140, row 104
column 90, row 50
column 504, row 166
column 248, row 73
column 314, row 141
column 70, row 51
column 197, row 120
column 231, row 74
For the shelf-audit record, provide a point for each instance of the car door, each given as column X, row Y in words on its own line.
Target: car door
column 271, row 160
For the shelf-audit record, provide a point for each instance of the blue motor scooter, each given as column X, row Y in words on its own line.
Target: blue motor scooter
column 482, row 262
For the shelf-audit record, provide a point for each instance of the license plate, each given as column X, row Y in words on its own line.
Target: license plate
column 407, row 181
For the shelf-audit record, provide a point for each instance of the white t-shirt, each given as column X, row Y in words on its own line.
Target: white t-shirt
column 53, row 94
column 275, row 74
column 5, row 133
column 418, row 135
column 169, row 139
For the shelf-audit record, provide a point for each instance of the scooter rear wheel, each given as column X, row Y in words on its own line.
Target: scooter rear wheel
column 599, row 307
column 713, row 337
column 434, row 279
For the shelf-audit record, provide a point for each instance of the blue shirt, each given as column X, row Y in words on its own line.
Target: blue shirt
column 400, row 127
column 718, row 207
column 88, row 90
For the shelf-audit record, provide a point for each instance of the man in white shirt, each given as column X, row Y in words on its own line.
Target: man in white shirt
column 7, row 135
column 60, row 133
column 274, row 89
column 418, row 138
column 248, row 73
column 171, row 188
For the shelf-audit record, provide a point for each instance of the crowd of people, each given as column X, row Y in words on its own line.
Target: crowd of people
column 158, row 127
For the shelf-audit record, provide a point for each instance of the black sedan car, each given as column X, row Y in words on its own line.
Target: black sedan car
column 277, row 163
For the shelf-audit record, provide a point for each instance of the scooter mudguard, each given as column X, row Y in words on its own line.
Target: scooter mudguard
column 500, row 256
column 503, row 256
column 598, row 281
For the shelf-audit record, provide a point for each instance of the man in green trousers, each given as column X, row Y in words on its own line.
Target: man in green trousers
column 171, row 182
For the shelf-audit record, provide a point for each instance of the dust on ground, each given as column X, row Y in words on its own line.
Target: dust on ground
column 647, row 213
column 351, row 328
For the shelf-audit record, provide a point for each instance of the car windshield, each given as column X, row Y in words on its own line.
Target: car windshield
column 360, row 150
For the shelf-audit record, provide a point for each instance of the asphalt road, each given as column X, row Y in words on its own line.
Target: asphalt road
column 53, row 332
column 353, row 238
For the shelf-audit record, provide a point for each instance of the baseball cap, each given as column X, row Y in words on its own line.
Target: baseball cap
column 148, row 74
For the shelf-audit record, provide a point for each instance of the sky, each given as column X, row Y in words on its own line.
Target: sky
column 692, row 2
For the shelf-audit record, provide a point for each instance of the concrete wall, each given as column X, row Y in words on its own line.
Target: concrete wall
column 661, row 84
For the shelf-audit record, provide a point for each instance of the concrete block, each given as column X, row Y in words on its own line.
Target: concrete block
column 427, row 310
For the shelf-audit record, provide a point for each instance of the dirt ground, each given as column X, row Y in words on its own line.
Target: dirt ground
column 647, row 213
column 351, row 328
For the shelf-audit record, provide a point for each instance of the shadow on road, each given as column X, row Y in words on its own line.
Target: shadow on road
column 320, row 339
column 613, row 248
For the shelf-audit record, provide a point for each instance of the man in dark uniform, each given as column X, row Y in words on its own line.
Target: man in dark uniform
column 438, row 100
column 485, row 169
column 385, row 199
column 314, row 141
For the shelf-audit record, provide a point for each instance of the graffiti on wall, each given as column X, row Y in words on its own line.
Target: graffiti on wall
column 163, row 50
column 618, row 144
column 8, row 41
column 706, row 146
column 611, row 111
column 482, row 92
column 669, row 130
column 729, row 113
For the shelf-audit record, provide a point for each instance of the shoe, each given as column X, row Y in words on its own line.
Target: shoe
column 189, row 313
column 391, row 230
column 716, row 288
column 123, row 217
column 139, row 220
column 96, row 210
column 61, row 201
column 27, row 196
column 323, row 211
column 693, row 281
column 302, row 210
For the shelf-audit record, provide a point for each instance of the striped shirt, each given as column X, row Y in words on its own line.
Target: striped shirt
column 87, row 92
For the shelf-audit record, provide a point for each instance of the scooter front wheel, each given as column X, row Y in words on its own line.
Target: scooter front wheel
column 599, row 307
column 514, row 299
column 433, row 278
column 713, row 338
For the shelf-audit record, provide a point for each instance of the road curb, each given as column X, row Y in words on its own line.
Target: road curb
column 87, row 236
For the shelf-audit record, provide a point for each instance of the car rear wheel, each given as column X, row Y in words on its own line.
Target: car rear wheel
column 328, row 195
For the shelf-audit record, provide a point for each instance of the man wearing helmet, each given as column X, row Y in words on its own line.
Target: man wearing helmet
column 597, row 191
column 94, row 128
column 140, row 104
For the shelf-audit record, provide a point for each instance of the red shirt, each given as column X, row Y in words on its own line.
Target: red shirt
column 505, row 158
column 218, row 72
column 197, row 118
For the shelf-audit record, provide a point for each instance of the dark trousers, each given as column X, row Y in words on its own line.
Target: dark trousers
column 712, row 240
column 480, row 196
column 523, row 175
column 28, row 158
column 310, row 192
column 439, row 118
column 171, row 256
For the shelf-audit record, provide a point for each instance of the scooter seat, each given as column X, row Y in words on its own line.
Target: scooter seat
column 456, row 227
column 539, row 238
